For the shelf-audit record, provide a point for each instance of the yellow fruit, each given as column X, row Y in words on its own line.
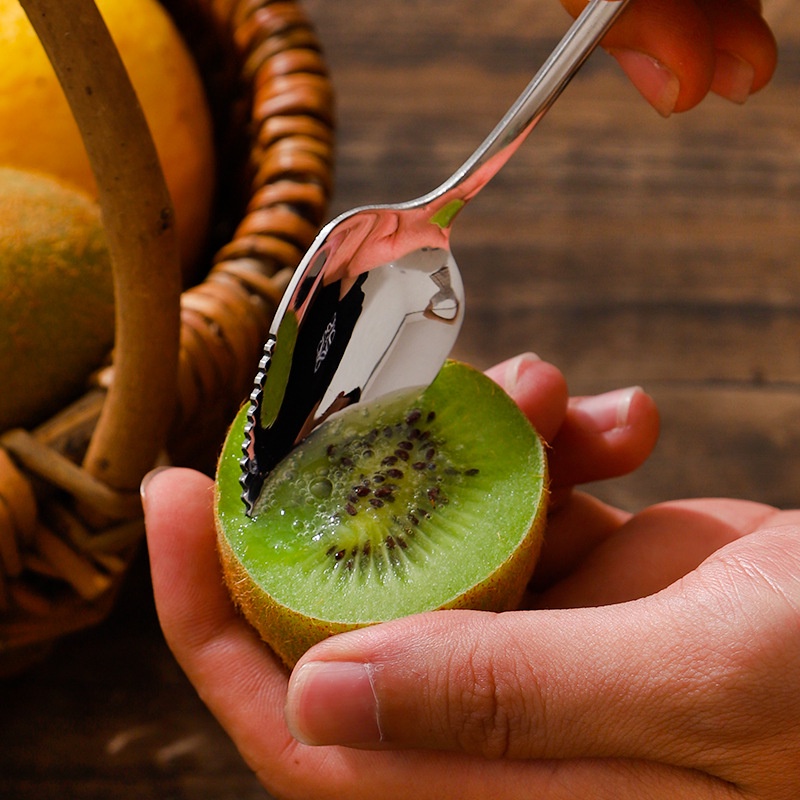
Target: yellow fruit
column 37, row 131
column 56, row 295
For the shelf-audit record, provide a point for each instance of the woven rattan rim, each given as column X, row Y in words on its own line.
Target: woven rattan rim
column 67, row 536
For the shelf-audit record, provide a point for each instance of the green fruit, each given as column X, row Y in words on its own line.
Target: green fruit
column 56, row 296
column 409, row 505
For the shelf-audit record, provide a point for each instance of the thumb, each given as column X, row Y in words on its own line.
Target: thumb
column 673, row 678
column 528, row 684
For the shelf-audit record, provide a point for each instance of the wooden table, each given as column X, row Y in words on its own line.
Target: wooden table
column 625, row 248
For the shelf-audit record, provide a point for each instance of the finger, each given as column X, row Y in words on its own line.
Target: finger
column 672, row 49
column 665, row 542
column 240, row 679
column 664, row 47
column 745, row 50
column 366, row 688
column 193, row 605
column 538, row 388
column 520, row 685
column 594, row 438
column 604, row 436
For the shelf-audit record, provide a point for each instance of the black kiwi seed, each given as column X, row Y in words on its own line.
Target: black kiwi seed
column 431, row 416
column 350, row 509
column 395, row 473
column 401, row 454
column 361, row 491
column 383, row 491
column 405, row 445
column 413, row 416
column 376, row 502
column 339, row 554
column 390, row 543
column 419, row 465
column 435, row 496
column 472, row 471
column 389, row 460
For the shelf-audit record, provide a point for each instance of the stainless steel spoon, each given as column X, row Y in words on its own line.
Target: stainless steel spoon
column 377, row 302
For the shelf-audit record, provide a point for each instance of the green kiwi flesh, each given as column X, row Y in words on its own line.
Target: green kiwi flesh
column 405, row 505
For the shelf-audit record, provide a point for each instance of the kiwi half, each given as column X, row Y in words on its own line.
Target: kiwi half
column 402, row 506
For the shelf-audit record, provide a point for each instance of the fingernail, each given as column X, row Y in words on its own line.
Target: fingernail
column 149, row 477
column 515, row 367
column 733, row 77
column 333, row 703
column 607, row 412
column 657, row 83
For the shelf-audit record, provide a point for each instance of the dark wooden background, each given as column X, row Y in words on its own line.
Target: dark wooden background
column 623, row 247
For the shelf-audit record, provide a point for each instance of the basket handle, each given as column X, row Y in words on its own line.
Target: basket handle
column 140, row 229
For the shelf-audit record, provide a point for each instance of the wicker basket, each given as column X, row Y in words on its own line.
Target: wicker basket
column 68, row 527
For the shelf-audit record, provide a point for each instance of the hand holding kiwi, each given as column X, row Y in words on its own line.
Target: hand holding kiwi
column 245, row 685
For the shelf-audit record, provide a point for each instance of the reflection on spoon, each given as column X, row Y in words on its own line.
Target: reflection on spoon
column 400, row 316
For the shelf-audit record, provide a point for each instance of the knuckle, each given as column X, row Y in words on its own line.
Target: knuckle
column 490, row 701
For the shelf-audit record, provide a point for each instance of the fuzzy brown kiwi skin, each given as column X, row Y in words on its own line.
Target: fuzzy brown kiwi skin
column 290, row 634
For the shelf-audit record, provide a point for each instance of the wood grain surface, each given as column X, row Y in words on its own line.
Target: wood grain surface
column 625, row 248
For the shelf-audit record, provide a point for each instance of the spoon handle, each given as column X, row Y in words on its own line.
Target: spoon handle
column 539, row 95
